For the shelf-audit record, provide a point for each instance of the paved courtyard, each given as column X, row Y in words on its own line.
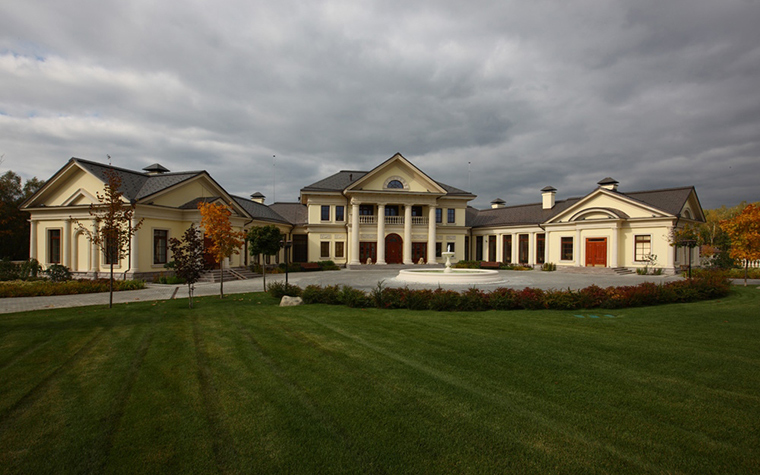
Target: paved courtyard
column 364, row 279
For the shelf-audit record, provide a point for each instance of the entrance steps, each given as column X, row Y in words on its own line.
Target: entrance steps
column 595, row 270
column 232, row 273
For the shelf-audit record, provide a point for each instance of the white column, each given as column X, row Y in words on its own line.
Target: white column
column 577, row 253
column 432, row 237
column 532, row 248
column 94, row 251
column 381, row 233
column 499, row 247
column 354, row 234
column 66, row 257
column 614, row 247
column 134, row 251
column 515, row 248
column 408, row 234
column 33, row 239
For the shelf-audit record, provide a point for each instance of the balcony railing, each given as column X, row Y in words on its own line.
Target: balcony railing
column 397, row 220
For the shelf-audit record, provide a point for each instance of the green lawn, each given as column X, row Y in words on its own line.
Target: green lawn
column 243, row 386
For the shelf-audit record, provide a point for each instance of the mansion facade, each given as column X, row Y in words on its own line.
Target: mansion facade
column 392, row 214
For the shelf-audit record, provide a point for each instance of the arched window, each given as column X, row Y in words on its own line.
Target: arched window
column 395, row 184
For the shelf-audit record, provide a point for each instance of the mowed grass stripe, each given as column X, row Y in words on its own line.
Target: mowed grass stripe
column 320, row 389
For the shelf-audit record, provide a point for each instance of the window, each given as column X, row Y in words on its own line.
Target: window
column 391, row 210
column 566, row 251
column 324, row 249
column 478, row 248
column 325, row 213
column 643, row 247
column 54, row 246
column 416, row 210
column 395, row 184
column 522, row 248
column 438, row 249
column 438, row 215
column 540, row 248
column 160, row 237
column 451, row 215
column 467, row 248
column 450, row 247
column 339, row 213
column 339, row 249
column 112, row 250
column 366, row 210
column 507, row 249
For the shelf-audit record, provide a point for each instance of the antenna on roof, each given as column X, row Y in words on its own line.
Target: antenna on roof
column 109, row 159
column 274, row 179
column 468, row 176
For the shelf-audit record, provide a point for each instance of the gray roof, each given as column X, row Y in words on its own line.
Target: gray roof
column 259, row 211
column 137, row 185
column 294, row 213
column 670, row 201
column 345, row 178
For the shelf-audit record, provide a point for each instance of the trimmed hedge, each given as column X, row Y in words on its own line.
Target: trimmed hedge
column 45, row 288
column 708, row 286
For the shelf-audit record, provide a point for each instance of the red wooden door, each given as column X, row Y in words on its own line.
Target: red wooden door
column 596, row 252
column 393, row 249
column 419, row 251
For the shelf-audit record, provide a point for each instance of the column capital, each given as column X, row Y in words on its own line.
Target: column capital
column 355, row 202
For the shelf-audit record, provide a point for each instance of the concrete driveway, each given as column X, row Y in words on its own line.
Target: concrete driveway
column 365, row 279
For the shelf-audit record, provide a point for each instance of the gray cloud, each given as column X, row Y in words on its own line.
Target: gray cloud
column 531, row 93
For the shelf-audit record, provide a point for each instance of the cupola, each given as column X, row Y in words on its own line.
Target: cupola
column 258, row 197
column 155, row 169
column 498, row 203
column 608, row 184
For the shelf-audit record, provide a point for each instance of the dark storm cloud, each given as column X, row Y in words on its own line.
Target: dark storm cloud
column 654, row 94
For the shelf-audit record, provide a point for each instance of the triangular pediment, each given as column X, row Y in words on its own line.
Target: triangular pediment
column 603, row 204
column 71, row 185
column 397, row 175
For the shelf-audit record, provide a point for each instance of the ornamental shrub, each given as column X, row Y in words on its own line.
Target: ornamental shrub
column 444, row 300
column 58, row 273
column 504, row 299
column 473, row 300
column 280, row 289
column 354, row 298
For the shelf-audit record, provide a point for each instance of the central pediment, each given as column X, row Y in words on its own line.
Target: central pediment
column 397, row 175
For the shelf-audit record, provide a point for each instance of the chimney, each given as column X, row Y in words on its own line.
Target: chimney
column 608, row 184
column 547, row 194
column 258, row 197
column 155, row 169
column 498, row 203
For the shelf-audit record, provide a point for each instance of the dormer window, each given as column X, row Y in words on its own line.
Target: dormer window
column 396, row 184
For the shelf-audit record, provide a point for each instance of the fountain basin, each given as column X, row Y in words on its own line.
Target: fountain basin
column 449, row 276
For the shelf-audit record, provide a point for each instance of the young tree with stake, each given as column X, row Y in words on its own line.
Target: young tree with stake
column 215, row 220
column 266, row 240
column 187, row 254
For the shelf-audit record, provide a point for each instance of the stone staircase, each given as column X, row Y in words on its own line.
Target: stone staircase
column 233, row 273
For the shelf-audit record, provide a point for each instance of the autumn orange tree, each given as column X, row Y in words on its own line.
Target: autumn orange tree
column 744, row 231
column 113, row 229
column 215, row 220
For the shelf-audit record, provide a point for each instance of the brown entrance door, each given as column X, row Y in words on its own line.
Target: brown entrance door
column 596, row 252
column 393, row 249
column 419, row 251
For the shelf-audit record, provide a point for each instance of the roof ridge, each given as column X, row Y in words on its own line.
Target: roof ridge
column 127, row 170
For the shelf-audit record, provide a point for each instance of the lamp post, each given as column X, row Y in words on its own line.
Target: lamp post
column 689, row 244
column 286, row 245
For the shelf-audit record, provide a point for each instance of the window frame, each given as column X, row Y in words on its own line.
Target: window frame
column 322, row 213
column 324, row 246
column 340, row 213
column 636, row 242
column 563, row 252
column 439, row 216
column 451, row 215
column 340, row 251
column 156, row 262
column 50, row 240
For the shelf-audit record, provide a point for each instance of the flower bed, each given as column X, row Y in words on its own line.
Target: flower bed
column 705, row 287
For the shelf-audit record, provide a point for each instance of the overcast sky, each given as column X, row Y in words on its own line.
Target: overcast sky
column 655, row 94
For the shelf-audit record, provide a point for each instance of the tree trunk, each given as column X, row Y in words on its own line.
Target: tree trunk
column 190, row 294
column 746, row 270
column 221, row 279
column 264, row 274
column 110, row 288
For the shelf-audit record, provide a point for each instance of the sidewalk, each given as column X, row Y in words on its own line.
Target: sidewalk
column 365, row 279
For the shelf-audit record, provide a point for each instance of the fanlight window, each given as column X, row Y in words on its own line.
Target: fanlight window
column 395, row 184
